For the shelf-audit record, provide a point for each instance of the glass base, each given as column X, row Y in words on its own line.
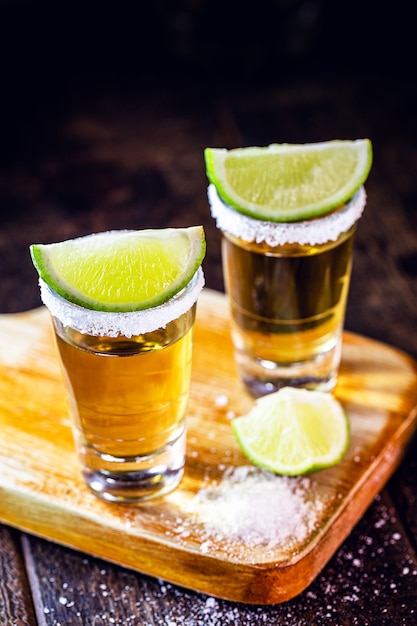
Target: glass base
column 134, row 479
column 262, row 377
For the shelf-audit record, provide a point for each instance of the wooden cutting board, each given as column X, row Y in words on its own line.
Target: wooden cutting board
column 228, row 530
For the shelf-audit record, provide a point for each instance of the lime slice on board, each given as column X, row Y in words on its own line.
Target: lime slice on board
column 294, row 431
column 121, row 270
column 289, row 182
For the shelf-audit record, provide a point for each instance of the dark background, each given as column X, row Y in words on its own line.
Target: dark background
column 106, row 108
column 55, row 55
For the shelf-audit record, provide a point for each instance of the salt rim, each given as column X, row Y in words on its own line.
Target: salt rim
column 309, row 232
column 101, row 323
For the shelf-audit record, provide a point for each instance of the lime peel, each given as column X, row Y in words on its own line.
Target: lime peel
column 121, row 271
column 113, row 324
column 289, row 182
column 294, row 431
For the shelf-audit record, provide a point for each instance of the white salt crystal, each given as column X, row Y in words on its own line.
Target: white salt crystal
column 257, row 508
column 222, row 400
column 308, row 232
column 101, row 323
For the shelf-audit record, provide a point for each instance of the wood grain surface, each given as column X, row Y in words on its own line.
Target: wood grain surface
column 42, row 491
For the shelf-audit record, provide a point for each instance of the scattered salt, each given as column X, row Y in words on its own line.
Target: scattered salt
column 313, row 232
column 257, row 508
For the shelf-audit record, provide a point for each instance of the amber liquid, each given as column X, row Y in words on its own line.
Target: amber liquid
column 287, row 302
column 128, row 396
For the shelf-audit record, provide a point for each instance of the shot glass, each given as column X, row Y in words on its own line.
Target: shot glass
column 128, row 378
column 287, row 285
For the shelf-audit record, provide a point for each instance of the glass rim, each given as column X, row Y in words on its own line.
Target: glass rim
column 316, row 231
column 127, row 324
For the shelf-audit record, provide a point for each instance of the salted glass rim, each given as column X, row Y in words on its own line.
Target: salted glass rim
column 127, row 324
column 316, row 231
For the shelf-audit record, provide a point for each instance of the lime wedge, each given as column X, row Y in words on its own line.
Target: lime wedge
column 289, row 182
column 294, row 431
column 121, row 270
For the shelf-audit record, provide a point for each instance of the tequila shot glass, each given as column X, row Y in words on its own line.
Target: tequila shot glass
column 287, row 285
column 128, row 379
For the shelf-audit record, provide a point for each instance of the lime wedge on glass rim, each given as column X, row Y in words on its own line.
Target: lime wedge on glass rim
column 294, row 431
column 120, row 271
column 289, row 182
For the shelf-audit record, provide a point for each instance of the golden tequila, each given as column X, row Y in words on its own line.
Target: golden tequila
column 128, row 391
column 288, row 305
column 128, row 395
column 287, row 285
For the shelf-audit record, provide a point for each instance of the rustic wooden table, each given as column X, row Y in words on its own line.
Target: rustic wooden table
column 133, row 158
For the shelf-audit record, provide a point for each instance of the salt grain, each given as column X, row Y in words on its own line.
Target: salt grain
column 222, row 400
